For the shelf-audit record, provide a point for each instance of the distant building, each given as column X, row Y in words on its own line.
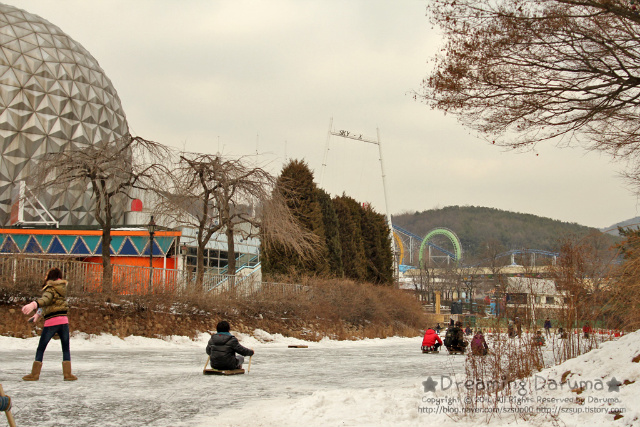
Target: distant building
column 532, row 298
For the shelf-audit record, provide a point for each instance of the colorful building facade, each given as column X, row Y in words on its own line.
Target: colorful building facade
column 129, row 246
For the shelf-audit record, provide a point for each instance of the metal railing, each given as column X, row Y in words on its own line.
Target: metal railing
column 84, row 277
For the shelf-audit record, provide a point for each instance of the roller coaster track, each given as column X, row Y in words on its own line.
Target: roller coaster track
column 514, row 252
column 420, row 239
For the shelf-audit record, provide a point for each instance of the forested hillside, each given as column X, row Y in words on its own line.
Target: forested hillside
column 477, row 227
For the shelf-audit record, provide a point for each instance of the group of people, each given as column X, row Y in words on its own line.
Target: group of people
column 455, row 337
column 224, row 350
column 454, row 340
column 514, row 327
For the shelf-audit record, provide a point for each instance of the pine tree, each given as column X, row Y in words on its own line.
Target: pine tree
column 353, row 254
column 332, row 233
column 296, row 184
column 377, row 246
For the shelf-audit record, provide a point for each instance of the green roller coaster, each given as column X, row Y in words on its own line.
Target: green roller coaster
column 457, row 248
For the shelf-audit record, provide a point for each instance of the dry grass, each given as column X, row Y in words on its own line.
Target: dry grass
column 495, row 379
column 338, row 309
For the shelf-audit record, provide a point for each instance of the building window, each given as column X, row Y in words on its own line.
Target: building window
column 516, row 298
column 214, row 260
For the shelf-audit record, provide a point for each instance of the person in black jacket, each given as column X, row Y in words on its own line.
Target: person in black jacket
column 454, row 339
column 222, row 349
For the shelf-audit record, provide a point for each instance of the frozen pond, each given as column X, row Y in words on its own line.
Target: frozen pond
column 138, row 385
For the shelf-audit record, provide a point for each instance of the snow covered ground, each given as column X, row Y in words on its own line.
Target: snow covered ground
column 140, row 381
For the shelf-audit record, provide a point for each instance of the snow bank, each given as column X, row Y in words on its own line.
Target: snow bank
column 260, row 338
column 89, row 342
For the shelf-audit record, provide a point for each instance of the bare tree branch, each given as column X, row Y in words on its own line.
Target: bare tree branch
column 524, row 71
column 211, row 194
column 111, row 170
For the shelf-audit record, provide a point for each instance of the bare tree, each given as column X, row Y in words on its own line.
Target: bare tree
column 111, row 170
column 621, row 309
column 212, row 194
column 424, row 284
column 525, row 71
column 583, row 274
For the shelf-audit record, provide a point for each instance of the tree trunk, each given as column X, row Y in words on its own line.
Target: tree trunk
column 107, row 268
column 200, row 267
column 231, row 252
column 231, row 258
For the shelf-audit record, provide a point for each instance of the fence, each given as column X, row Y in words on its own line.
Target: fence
column 84, row 277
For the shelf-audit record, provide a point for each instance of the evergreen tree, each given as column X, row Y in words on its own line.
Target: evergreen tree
column 377, row 246
column 296, row 185
column 332, row 233
column 354, row 260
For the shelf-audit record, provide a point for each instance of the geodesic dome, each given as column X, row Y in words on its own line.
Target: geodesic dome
column 53, row 96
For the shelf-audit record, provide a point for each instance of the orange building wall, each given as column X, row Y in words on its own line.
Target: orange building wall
column 136, row 261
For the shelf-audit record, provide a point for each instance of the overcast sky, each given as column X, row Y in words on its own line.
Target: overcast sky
column 240, row 77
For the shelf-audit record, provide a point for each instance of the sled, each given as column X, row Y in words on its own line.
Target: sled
column 211, row 371
column 429, row 350
column 10, row 419
column 451, row 351
column 298, row 346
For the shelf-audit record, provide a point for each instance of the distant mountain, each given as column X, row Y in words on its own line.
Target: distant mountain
column 613, row 230
column 481, row 227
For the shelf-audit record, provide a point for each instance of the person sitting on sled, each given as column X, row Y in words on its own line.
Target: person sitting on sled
column 431, row 341
column 538, row 339
column 222, row 349
column 454, row 339
column 479, row 345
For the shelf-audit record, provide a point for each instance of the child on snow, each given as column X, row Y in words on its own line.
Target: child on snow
column 431, row 340
column 52, row 305
column 562, row 333
column 586, row 330
column 222, row 349
column 479, row 345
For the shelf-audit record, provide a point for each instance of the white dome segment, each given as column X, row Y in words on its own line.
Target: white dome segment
column 53, row 96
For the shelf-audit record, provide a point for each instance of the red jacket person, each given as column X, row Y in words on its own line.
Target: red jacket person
column 431, row 340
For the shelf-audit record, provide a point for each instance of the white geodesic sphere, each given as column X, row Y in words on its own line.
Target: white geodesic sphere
column 53, row 95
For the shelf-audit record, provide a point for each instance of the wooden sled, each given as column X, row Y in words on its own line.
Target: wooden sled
column 456, row 351
column 212, row 371
column 428, row 350
column 298, row 346
column 12, row 422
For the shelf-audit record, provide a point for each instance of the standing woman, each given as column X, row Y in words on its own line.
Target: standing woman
column 52, row 305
